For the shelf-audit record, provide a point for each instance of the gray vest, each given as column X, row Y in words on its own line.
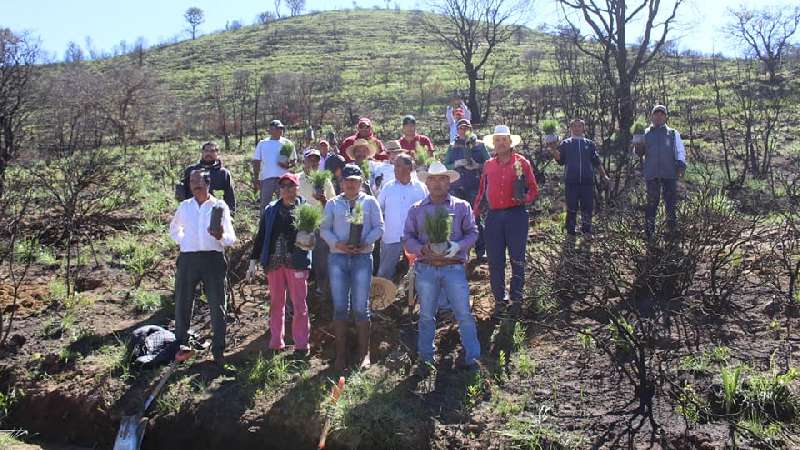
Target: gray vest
column 659, row 154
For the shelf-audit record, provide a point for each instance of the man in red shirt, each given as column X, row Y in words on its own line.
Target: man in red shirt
column 509, row 186
column 364, row 132
column 411, row 139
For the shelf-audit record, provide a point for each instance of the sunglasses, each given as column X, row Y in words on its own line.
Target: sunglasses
column 363, row 125
column 287, row 186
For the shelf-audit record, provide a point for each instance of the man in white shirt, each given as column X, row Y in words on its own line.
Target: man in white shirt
column 201, row 259
column 267, row 167
column 395, row 199
column 456, row 111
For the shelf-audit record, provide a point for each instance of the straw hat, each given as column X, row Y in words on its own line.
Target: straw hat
column 501, row 130
column 382, row 293
column 372, row 148
column 393, row 146
column 437, row 168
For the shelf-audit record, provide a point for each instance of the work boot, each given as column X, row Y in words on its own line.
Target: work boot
column 340, row 334
column 363, row 344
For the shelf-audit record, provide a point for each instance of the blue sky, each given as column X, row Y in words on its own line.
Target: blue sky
column 56, row 22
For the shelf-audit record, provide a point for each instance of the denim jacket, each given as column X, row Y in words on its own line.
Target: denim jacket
column 336, row 226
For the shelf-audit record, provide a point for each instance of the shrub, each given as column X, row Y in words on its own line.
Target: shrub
column 146, row 301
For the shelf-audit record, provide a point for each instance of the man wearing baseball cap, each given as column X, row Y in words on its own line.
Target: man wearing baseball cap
column 507, row 220
column 364, row 131
column 664, row 162
column 410, row 140
column 350, row 264
column 267, row 167
column 467, row 155
column 286, row 266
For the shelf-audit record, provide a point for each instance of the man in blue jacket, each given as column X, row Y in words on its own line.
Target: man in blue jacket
column 466, row 155
column 580, row 158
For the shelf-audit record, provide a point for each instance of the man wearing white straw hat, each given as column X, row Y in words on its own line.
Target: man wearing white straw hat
column 439, row 267
column 509, row 185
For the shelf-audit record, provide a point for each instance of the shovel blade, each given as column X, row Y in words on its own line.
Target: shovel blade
column 130, row 434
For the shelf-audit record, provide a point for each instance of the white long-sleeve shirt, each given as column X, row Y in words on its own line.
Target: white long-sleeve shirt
column 395, row 200
column 451, row 121
column 189, row 227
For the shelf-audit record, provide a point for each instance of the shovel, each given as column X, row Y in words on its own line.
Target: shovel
column 131, row 428
column 336, row 391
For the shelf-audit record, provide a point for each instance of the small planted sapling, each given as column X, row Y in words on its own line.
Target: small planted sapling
column 307, row 219
column 319, row 178
column 365, row 170
column 637, row 131
column 549, row 128
column 438, row 227
column 356, row 220
column 422, row 159
column 287, row 151
column 520, row 185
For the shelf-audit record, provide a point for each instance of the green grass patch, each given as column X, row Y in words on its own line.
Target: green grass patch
column 145, row 301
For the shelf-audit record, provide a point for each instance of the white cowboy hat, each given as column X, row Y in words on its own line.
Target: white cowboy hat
column 501, row 130
column 382, row 293
column 437, row 168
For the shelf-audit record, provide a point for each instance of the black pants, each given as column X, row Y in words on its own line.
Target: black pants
column 656, row 188
column 210, row 268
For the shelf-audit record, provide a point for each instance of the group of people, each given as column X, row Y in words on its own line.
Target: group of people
column 378, row 209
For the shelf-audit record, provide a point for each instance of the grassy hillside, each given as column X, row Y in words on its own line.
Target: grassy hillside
column 699, row 330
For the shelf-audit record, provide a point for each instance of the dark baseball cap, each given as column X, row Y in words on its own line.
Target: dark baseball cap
column 352, row 171
column 334, row 161
column 409, row 119
column 463, row 122
column 276, row 124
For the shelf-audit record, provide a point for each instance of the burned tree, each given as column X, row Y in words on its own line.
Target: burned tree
column 472, row 30
column 766, row 34
column 19, row 53
column 612, row 23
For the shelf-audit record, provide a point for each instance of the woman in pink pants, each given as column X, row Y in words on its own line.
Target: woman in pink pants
column 287, row 266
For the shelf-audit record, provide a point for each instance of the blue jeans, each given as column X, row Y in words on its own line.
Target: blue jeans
column 451, row 281
column 350, row 278
column 390, row 255
column 507, row 229
column 579, row 196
